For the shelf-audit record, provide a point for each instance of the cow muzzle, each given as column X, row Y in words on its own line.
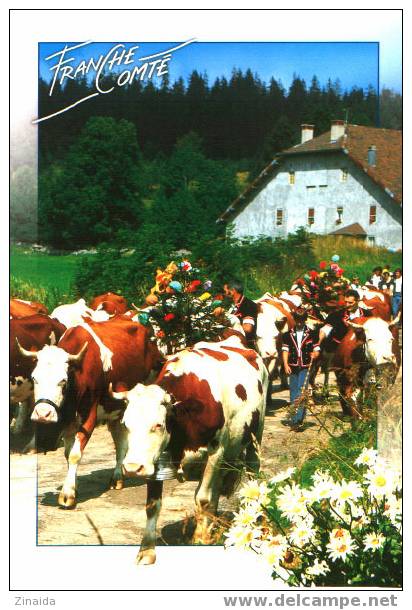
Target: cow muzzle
column 45, row 412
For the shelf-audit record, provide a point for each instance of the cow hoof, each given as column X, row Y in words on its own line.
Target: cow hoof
column 146, row 557
column 116, row 484
column 66, row 501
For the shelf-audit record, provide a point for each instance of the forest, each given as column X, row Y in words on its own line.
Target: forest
column 151, row 168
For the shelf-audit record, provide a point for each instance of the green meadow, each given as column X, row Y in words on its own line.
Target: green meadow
column 50, row 278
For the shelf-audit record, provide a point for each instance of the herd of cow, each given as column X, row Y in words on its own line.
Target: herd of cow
column 204, row 406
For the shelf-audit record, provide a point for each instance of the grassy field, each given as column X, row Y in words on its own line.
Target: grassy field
column 49, row 278
column 42, row 277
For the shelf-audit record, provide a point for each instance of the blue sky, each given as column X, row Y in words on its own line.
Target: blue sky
column 354, row 63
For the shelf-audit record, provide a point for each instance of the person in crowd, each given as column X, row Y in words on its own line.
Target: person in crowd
column 356, row 285
column 299, row 349
column 397, row 292
column 336, row 324
column 243, row 308
column 386, row 283
column 376, row 277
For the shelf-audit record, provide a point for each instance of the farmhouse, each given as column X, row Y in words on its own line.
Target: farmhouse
column 347, row 181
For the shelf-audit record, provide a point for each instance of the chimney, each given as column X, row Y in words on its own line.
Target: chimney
column 372, row 155
column 337, row 130
column 307, row 133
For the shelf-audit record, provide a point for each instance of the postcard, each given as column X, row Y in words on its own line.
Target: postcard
column 206, row 306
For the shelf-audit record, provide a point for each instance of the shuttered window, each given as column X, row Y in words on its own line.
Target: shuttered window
column 291, row 177
column 372, row 214
column 279, row 217
column 311, row 216
column 339, row 211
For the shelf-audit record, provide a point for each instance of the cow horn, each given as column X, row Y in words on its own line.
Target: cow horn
column 77, row 358
column 354, row 325
column 26, row 352
column 116, row 395
column 395, row 320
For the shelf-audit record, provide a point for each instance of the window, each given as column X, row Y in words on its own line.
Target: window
column 344, row 175
column 323, row 186
column 311, row 186
column 372, row 214
column 279, row 218
column 311, row 216
column 371, row 240
column 291, row 177
column 339, row 211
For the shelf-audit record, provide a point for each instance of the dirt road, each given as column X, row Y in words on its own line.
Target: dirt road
column 111, row 517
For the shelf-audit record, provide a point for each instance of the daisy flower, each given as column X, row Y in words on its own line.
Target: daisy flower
column 319, row 568
column 241, row 537
column 273, row 549
column 340, row 548
column 292, row 502
column 346, row 491
column 380, row 482
column 373, row 541
column 253, row 491
column 322, row 490
column 367, row 457
column 282, row 476
column 320, row 476
column 301, row 534
column 248, row 514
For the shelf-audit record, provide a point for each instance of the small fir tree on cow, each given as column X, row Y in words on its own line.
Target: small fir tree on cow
column 181, row 308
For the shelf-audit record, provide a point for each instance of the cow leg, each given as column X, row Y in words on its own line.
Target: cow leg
column 119, row 436
column 207, row 497
column 74, row 445
column 147, row 553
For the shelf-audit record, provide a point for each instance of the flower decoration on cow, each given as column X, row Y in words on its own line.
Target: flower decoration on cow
column 323, row 288
column 182, row 311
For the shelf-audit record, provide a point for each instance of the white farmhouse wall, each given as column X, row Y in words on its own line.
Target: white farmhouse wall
column 318, row 184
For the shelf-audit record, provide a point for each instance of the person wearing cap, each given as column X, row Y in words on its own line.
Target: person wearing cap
column 244, row 308
column 299, row 349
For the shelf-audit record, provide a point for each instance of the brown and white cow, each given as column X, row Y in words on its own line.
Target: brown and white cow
column 370, row 344
column 22, row 309
column 110, row 302
column 71, row 382
column 207, row 405
column 32, row 333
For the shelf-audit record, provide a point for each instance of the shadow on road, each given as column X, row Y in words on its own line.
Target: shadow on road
column 89, row 486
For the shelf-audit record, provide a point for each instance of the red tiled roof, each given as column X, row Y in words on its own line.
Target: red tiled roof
column 354, row 230
column 355, row 143
column 357, row 139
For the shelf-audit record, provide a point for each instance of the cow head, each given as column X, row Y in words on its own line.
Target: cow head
column 378, row 340
column 145, row 421
column 50, row 379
